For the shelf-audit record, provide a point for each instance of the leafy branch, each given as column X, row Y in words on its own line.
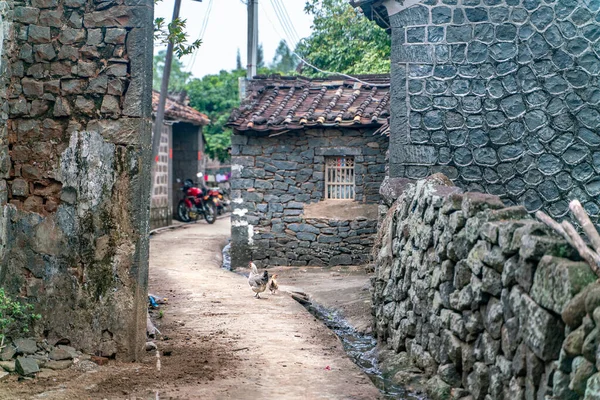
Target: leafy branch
column 15, row 318
column 174, row 32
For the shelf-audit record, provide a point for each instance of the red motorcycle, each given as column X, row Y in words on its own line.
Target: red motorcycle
column 197, row 201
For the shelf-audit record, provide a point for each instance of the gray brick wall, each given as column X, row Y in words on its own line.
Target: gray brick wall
column 502, row 97
column 272, row 180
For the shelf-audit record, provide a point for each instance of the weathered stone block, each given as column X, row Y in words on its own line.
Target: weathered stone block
column 542, row 332
column 26, row 366
column 558, row 280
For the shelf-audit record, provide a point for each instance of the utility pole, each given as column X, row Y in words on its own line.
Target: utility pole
column 252, row 38
column 164, row 89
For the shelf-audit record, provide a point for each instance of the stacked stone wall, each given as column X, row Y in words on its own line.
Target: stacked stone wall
column 501, row 96
column 483, row 299
column 274, row 178
column 75, row 168
column 160, row 202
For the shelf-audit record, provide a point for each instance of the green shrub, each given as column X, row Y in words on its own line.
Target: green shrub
column 16, row 318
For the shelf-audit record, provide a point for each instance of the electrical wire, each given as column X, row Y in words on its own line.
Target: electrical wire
column 287, row 20
column 282, row 22
column 202, row 32
column 315, row 67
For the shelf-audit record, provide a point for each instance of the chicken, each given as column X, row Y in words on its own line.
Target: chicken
column 272, row 285
column 258, row 282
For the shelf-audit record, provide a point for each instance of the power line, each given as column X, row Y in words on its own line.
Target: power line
column 202, row 31
column 288, row 22
column 317, row 68
column 287, row 31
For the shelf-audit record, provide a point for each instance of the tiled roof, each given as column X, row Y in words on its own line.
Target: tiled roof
column 287, row 103
column 176, row 111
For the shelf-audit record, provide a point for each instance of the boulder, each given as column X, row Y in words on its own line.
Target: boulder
column 573, row 344
column 26, row 366
column 59, row 354
column 59, row 365
column 8, row 366
column 437, row 389
column 25, row 346
column 582, row 371
column 590, row 345
column 592, row 299
column 542, row 332
column 560, row 387
column 574, row 310
column 8, row 352
column 449, row 374
column 478, row 381
column 592, row 391
column 558, row 280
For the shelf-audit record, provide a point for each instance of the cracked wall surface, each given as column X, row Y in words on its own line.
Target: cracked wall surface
column 74, row 167
column 501, row 96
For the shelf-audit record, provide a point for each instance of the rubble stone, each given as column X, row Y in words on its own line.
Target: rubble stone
column 26, row 366
column 496, row 322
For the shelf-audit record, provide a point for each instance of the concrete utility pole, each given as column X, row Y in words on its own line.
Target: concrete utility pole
column 252, row 37
column 164, row 91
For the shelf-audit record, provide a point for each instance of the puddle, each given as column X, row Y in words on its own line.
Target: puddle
column 361, row 348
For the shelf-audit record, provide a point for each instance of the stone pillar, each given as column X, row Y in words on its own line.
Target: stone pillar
column 75, row 169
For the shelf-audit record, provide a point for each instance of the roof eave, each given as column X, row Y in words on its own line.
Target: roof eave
column 375, row 11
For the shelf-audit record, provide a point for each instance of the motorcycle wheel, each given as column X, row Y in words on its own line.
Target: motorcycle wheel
column 183, row 212
column 210, row 212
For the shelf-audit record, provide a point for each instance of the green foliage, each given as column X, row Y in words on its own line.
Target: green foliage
column 178, row 78
column 174, row 32
column 260, row 57
column 343, row 40
column 15, row 318
column 284, row 61
column 216, row 95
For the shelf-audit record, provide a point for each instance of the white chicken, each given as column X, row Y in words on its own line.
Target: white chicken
column 258, row 282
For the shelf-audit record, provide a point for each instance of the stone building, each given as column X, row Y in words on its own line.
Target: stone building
column 501, row 96
column 181, row 156
column 75, row 136
column 307, row 163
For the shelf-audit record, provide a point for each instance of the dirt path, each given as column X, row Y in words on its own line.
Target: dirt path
column 268, row 348
column 220, row 342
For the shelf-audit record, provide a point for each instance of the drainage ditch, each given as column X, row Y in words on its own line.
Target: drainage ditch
column 362, row 350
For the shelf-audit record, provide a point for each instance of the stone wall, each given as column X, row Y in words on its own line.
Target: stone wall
column 483, row 299
column 275, row 178
column 501, row 96
column 75, row 168
column 161, row 211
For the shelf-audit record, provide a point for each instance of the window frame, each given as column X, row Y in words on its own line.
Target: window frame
column 340, row 178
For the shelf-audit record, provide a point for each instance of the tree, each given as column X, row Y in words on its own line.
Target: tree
column 260, row 57
column 343, row 40
column 216, row 95
column 238, row 61
column 284, row 61
column 178, row 78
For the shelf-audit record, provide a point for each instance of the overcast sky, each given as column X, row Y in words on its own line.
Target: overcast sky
column 226, row 30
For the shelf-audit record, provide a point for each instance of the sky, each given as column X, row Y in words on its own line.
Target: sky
column 226, row 30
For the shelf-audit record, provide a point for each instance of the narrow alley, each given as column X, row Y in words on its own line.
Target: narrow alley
column 217, row 342
column 256, row 348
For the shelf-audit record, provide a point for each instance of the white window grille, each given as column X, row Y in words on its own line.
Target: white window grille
column 339, row 178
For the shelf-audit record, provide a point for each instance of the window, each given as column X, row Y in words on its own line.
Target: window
column 339, row 178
